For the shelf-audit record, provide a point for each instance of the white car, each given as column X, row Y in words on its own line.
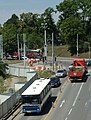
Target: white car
column 61, row 73
column 22, row 57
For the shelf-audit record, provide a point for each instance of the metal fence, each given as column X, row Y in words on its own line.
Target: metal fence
column 18, row 71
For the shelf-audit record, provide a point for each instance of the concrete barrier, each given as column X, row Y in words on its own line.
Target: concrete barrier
column 18, row 71
column 7, row 106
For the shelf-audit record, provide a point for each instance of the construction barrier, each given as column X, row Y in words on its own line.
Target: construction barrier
column 59, row 67
column 40, row 68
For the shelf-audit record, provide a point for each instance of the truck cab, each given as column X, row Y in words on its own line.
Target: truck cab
column 79, row 69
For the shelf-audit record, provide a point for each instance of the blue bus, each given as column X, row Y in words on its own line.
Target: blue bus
column 36, row 95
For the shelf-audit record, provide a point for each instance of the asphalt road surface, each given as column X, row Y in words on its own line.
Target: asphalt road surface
column 74, row 103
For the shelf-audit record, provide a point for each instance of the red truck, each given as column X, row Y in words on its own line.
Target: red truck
column 78, row 70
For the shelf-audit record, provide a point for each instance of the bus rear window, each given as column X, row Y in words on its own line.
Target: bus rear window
column 30, row 99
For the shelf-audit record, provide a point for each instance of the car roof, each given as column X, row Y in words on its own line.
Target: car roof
column 61, row 70
column 54, row 77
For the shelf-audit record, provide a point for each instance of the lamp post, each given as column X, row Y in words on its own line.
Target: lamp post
column 45, row 41
column 53, row 51
column 18, row 46
column 89, row 50
column 45, row 46
column 24, row 39
column 1, row 47
column 77, row 45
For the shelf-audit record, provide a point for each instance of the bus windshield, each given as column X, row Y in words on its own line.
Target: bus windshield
column 30, row 99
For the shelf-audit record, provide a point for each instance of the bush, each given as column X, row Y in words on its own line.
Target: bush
column 2, row 88
column 45, row 74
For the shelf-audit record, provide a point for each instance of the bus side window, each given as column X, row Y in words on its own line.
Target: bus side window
column 42, row 95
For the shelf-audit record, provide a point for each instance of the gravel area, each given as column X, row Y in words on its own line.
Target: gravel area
column 9, row 83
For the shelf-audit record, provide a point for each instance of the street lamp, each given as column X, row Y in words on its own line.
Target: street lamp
column 18, row 46
column 77, row 45
column 53, row 51
column 24, row 39
column 89, row 50
column 1, row 47
column 45, row 41
column 45, row 46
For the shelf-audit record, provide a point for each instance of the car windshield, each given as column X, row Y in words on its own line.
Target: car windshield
column 60, row 71
column 88, row 61
column 53, row 79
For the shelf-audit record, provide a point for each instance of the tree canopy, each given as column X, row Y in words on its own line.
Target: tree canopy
column 3, row 68
column 74, row 19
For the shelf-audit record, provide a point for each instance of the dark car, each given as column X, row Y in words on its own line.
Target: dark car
column 55, row 81
column 88, row 62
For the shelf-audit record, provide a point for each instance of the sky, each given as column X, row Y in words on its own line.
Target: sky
column 9, row 7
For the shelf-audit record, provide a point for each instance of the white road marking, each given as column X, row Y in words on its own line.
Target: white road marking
column 62, row 103
column 73, row 84
column 85, row 103
column 78, row 94
column 66, row 118
column 70, row 111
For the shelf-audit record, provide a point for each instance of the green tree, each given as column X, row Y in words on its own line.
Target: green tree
column 73, row 21
column 31, row 26
column 9, row 34
column 0, row 29
column 3, row 68
column 49, row 24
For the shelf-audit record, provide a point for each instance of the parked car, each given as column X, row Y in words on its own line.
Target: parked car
column 88, row 62
column 55, row 81
column 22, row 57
column 61, row 73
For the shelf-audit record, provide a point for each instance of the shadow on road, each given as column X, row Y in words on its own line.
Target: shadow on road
column 45, row 109
column 80, row 81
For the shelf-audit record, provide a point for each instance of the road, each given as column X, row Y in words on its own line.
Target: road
column 55, row 90
column 74, row 103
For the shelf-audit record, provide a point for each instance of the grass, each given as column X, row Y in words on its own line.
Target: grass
column 59, row 51
column 63, row 51
column 45, row 74
column 12, row 61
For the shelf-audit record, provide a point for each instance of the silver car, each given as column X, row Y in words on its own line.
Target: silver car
column 61, row 73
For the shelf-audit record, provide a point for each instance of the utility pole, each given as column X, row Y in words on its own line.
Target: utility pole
column 1, row 47
column 24, row 40
column 89, row 50
column 77, row 45
column 45, row 47
column 53, row 51
column 18, row 46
